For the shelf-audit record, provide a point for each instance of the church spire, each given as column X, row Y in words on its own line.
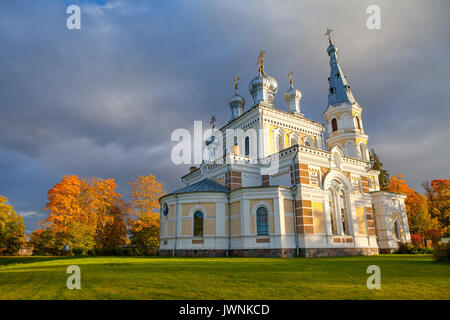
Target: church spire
column 339, row 90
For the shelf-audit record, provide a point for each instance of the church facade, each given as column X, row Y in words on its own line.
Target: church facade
column 279, row 184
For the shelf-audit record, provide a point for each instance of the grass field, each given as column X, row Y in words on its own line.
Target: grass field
column 402, row 277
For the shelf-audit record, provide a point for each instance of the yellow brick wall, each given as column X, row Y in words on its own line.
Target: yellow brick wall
column 319, row 226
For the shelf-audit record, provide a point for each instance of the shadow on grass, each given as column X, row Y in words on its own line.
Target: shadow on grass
column 5, row 261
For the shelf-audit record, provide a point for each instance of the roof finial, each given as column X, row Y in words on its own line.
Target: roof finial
column 236, row 79
column 213, row 122
column 261, row 61
column 291, row 77
column 328, row 33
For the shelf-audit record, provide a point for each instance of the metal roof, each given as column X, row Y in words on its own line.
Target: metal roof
column 206, row 185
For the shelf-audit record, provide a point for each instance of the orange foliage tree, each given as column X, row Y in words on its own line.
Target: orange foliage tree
column 89, row 213
column 438, row 196
column 144, row 206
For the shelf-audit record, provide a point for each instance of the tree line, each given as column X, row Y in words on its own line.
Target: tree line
column 89, row 214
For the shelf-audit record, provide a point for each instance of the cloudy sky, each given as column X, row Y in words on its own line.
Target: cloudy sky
column 102, row 101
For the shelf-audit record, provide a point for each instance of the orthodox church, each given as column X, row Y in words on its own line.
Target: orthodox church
column 278, row 184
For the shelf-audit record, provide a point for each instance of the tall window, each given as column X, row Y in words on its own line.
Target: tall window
column 280, row 138
column 262, row 222
column 236, row 147
column 334, row 124
column 358, row 125
column 247, row 146
column 344, row 212
column 198, row 224
column 397, row 234
column 333, row 217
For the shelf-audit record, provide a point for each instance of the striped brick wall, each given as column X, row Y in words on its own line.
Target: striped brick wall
column 304, row 214
column 233, row 179
column 370, row 221
column 304, row 173
column 365, row 184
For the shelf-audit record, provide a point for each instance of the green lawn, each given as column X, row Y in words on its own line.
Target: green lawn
column 402, row 277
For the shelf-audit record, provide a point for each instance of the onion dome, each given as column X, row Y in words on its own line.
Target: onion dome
column 292, row 96
column 236, row 102
column 263, row 87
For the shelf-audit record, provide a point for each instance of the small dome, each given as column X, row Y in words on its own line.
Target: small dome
column 236, row 99
column 292, row 93
column 263, row 80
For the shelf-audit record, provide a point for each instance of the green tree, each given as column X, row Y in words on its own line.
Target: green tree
column 12, row 228
column 47, row 242
column 383, row 178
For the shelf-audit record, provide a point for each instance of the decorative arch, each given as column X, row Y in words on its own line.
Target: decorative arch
column 254, row 213
column 336, row 157
column 293, row 139
column 279, row 139
column 338, row 176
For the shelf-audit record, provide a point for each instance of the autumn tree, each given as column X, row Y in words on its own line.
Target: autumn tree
column 416, row 205
column 12, row 228
column 438, row 198
column 144, row 206
column 87, row 213
column 383, row 178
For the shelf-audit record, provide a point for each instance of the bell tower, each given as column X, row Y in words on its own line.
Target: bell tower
column 343, row 115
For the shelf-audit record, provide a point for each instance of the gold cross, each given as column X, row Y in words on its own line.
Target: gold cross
column 213, row 121
column 291, row 76
column 328, row 33
column 236, row 79
column 261, row 61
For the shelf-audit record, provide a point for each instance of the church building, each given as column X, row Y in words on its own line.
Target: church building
column 278, row 184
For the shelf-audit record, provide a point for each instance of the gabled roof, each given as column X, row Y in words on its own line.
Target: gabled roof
column 205, row 185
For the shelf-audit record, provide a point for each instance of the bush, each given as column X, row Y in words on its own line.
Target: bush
column 442, row 252
column 409, row 248
column 121, row 251
column 405, row 248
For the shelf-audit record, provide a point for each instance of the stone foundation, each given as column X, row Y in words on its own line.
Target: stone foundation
column 337, row 252
column 274, row 253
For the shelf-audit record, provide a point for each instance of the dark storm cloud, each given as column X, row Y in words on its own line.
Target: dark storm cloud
column 102, row 101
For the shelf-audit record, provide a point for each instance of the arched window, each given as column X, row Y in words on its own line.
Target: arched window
column 236, row 147
column 165, row 209
column 333, row 218
column 344, row 212
column 397, row 234
column 247, row 146
column 363, row 151
column 358, row 124
column 198, row 224
column 334, row 126
column 293, row 141
column 262, row 222
column 280, row 138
